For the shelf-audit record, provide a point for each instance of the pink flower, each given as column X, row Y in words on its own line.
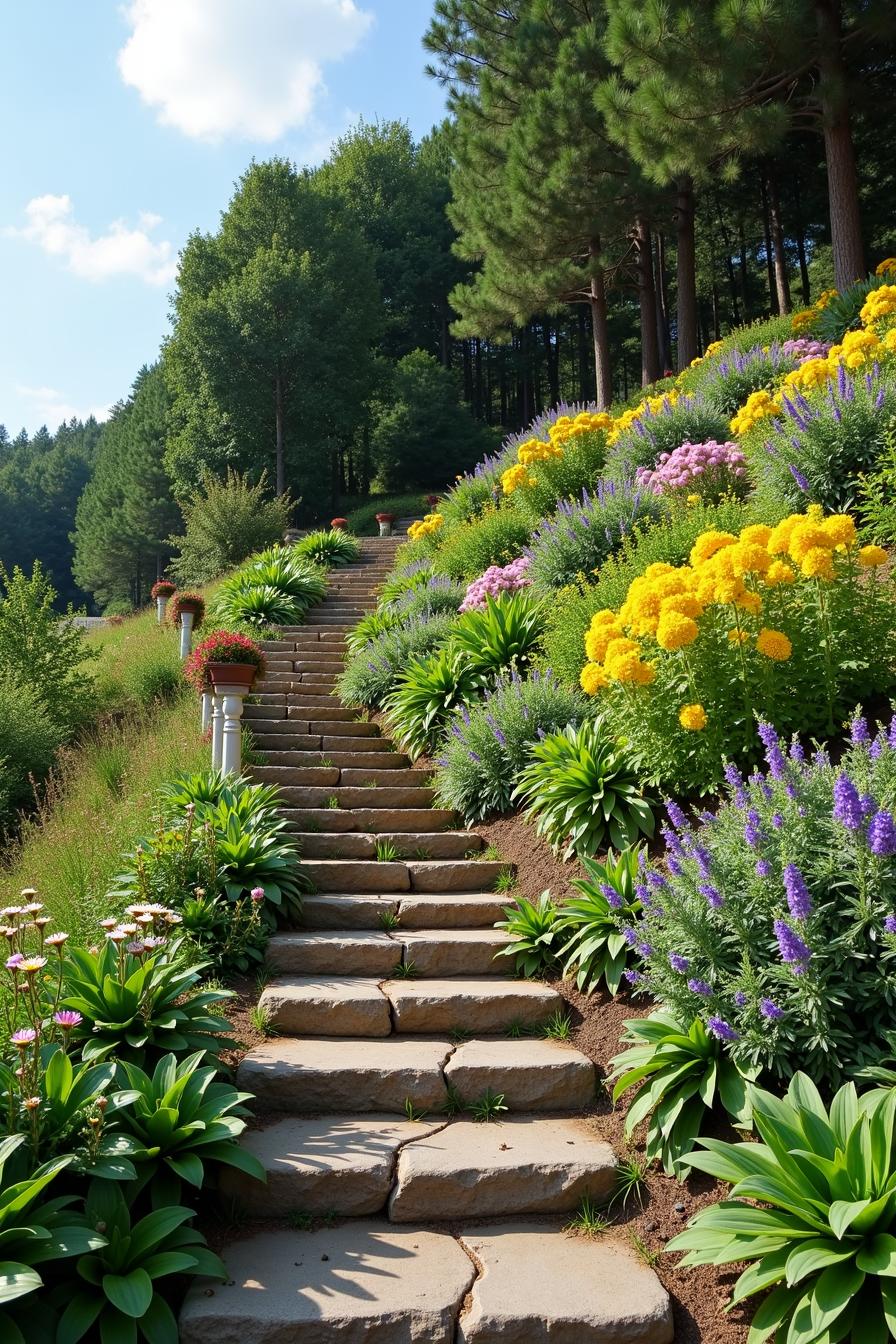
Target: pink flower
column 67, row 1019
column 14, row 962
column 257, row 894
column 24, row 1037
column 55, row 939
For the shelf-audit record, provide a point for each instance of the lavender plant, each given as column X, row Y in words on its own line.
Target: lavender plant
column 374, row 670
column 775, row 920
column 727, row 382
column 581, row 533
column 824, row 442
column 488, row 746
column 691, row 419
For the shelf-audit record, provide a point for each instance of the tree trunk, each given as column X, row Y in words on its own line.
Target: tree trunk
column 769, row 262
column 782, row 282
column 843, row 182
column 584, row 373
column 744, row 273
column 801, row 243
column 687, row 273
column 551, row 361
column 662, row 304
column 477, row 381
column 278, row 413
column 650, row 356
column 603, row 381
column 716, row 324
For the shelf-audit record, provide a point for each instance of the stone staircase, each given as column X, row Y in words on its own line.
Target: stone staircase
column 391, row 1014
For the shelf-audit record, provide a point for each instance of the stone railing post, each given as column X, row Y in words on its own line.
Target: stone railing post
column 206, row 711
column 217, row 730
column 161, row 604
column 186, row 633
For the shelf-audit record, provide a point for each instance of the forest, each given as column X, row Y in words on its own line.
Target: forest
column 614, row 188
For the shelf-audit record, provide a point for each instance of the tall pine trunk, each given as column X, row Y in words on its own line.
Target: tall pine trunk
column 650, row 356
column 769, row 261
column 782, row 281
column 662, row 303
column 742, row 265
column 843, row 181
column 278, row 416
column 603, row 381
column 687, row 273
column 801, row 243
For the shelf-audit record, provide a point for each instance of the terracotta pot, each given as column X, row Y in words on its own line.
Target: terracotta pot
column 231, row 674
column 385, row 517
column 339, row 524
column 188, row 605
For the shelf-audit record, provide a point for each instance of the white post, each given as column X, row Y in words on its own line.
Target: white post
column 161, row 603
column 231, row 755
column 217, row 731
column 186, row 633
column 206, row 711
column 385, row 529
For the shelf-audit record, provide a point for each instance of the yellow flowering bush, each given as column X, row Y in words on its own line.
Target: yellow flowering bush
column 758, row 406
column 784, row 623
column 426, row 527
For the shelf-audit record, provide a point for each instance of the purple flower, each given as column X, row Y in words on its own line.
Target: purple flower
column 614, row 900
column 799, row 477
column 657, row 881
column 674, row 867
column 858, row 731
column 24, row 1037
column 673, row 844
column 720, row 1028
column 890, row 924
column 799, row 902
column 67, row 1019
column 644, row 950
column 869, row 804
column 713, row 897
column 733, row 776
column 630, row 935
column 794, row 952
column 634, row 977
column 847, row 803
column 678, row 962
column 676, row 816
column 770, row 1010
column 700, row 987
column 875, row 751
column 882, row 834
column 752, row 830
column 796, row 752
column 777, row 821
column 763, row 868
column 704, row 860
column 740, row 999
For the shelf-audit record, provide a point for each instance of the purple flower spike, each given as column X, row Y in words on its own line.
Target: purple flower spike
column 740, row 999
column 890, row 924
column 713, row 896
column 720, row 1028
column 882, row 834
column 678, row 962
column 676, row 816
column 847, row 803
column 794, row 952
column 770, row 1010
column 799, row 901
column 700, row 987
column 858, row 730
column 614, row 900
column 634, row 977
column 800, row 479
column 763, row 868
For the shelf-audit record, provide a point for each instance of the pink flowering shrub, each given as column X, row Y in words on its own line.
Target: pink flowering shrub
column 707, row 469
column 802, row 349
column 495, row 581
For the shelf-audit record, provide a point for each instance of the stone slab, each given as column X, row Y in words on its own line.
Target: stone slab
column 357, row 1283
column 453, row 910
column 361, row 875
column 534, row 1075
column 447, row 952
column 432, row 1006
column 523, row 1165
column 327, row 1005
column 333, row 953
column 345, row 911
column 538, row 1286
column 457, row 876
column 333, row 1164
column 326, row 1075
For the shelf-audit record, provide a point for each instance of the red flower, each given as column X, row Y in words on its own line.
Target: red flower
column 179, row 601
column 163, row 588
column 221, row 646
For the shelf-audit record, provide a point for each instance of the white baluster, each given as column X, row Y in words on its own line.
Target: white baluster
column 231, row 756
column 186, row 633
column 206, row 711
column 161, row 603
column 217, row 730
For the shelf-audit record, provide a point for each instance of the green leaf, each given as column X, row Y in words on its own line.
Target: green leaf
column 16, row 1280
column 159, row 1324
column 130, row 1293
column 813, row 1256
column 879, row 1257
column 771, row 1313
column 78, row 1317
column 843, row 1214
column 833, row 1292
column 116, row 1328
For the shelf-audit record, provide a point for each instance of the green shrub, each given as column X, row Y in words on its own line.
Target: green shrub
column 729, row 378
column 227, row 521
column 565, row 477
column 593, row 947
column 842, row 312
column 496, row 537
column 28, row 744
column 580, row 535
column 505, row 633
column 242, row 601
column 877, row 491
column 372, row 673
column 404, row 579
column 821, row 1236
column 679, row 1072
column 371, row 625
column 427, row 692
column 297, row 576
column 472, row 494
column 535, row 929
column 361, row 517
column 489, row 745
column 329, row 548
column 691, row 419
column 582, row 792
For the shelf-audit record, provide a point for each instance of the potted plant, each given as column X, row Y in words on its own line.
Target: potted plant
column 385, row 521
column 187, row 604
column 224, row 659
column 340, row 524
column 160, row 592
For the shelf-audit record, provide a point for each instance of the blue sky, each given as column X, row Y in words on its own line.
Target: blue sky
column 126, row 128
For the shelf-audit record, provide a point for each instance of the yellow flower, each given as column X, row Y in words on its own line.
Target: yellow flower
column 707, row 544
column 597, row 641
column 890, row 341
column 593, row 679
column 693, row 499
column 841, row 528
column 779, row 541
column 757, row 534
column 738, row 636
column 808, row 536
column 871, row 556
column 713, row 348
column 886, row 267
column 749, row 559
column 513, row 478
column 750, row 602
column 774, row 644
column 606, row 616
column 686, row 604
column 692, row 717
column 729, row 590
column 628, row 668
column 818, row 563
column 779, row 572
column 676, row 631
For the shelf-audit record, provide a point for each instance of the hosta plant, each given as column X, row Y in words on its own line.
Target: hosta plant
column 505, row 633
column 594, row 949
column 812, row 1211
column 328, row 547
column 535, row 928
column 117, row 1296
column 243, row 601
column 582, row 793
column 427, row 693
column 294, row 575
column 679, row 1072
column 182, row 1119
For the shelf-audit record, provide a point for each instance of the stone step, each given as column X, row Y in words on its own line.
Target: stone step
column 370, row 1282
column 437, row 953
column 380, row 760
column 330, row 1165
column 332, row 727
column 333, row 952
column 282, row 681
column 412, row 875
column 307, row 661
column 455, row 875
column 531, row 1074
column 523, row 1165
column 431, row 1007
column 327, row 712
column 393, row 773
column 407, row 844
column 327, row 1005
column 286, row 736
column 303, row 797
column 358, row 1074
column 374, row 820
column 343, row 910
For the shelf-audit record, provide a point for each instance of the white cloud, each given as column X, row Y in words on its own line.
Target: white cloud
column 50, row 223
column 50, row 407
column 250, row 69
